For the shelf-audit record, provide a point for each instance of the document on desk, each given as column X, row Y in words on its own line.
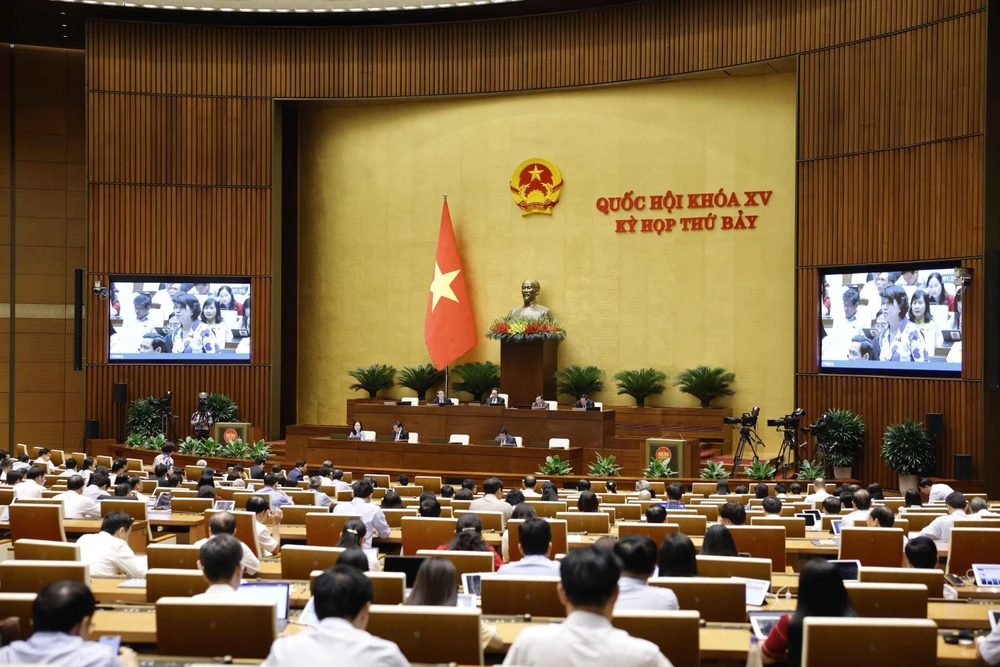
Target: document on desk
column 825, row 543
column 133, row 583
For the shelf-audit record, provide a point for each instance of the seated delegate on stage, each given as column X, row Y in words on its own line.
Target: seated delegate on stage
column 505, row 439
column 584, row 402
column 356, row 430
column 399, row 434
column 495, row 398
column 539, row 403
column 440, row 399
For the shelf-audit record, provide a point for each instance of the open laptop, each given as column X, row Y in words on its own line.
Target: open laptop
column 6, row 515
column 271, row 592
column 756, row 590
column 465, row 601
column 809, row 517
column 994, row 619
column 162, row 501
column 472, row 583
column 225, row 505
column 835, row 526
column 761, row 622
column 848, row 569
column 986, row 574
column 408, row 565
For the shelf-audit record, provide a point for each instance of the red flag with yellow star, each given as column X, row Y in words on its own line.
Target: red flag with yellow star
column 449, row 330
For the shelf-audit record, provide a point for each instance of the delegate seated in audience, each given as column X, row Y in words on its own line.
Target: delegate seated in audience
column 391, row 501
column 224, row 523
column 464, row 494
column 940, row 528
column 741, row 489
column 819, row 495
column 71, row 468
column 469, row 537
column 341, row 485
column 97, row 488
column 299, row 472
column 6, row 466
column 238, row 477
column 521, row 511
column 353, row 537
column 656, row 514
column 638, row 555
column 447, row 491
column 514, row 498
column 859, row 517
column 162, row 475
column 107, row 552
column 875, row 491
column 922, row 554
column 912, row 498
column 528, row 487
column 319, row 498
column 32, row 486
column 677, row 557
column 75, row 504
column 978, row 508
column 257, row 469
column 220, row 559
column 722, row 488
column 821, row 593
column 341, row 599
column 589, row 590
column 832, row 505
column 269, row 540
column 44, row 461
column 117, row 471
column 535, row 543
column 759, row 492
column 549, row 493
column 772, row 506
column 847, row 500
column 436, row 585
column 588, row 502
column 719, row 542
column 674, row 494
column 61, row 616
column 370, row 513
column 934, row 493
column 732, row 514
column 493, row 500
column 277, row 496
column 880, row 517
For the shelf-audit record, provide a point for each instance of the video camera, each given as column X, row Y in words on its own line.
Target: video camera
column 819, row 427
column 791, row 421
column 746, row 420
column 165, row 400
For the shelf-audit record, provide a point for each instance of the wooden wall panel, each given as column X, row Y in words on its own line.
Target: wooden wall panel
column 920, row 202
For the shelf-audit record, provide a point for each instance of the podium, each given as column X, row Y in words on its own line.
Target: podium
column 681, row 456
column 527, row 369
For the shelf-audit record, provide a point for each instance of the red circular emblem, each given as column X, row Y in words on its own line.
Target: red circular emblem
column 663, row 454
column 230, row 435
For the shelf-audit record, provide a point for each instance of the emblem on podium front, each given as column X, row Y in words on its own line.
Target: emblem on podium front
column 663, row 454
column 536, row 186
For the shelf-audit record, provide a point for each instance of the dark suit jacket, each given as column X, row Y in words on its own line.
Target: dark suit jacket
column 509, row 441
column 588, row 404
column 496, row 401
column 443, row 401
column 402, row 436
column 256, row 472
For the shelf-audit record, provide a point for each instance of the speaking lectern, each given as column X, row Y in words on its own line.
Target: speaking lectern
column 528, row 368
column 681, row 456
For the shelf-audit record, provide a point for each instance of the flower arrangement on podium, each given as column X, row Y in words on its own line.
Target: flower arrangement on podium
column 525, row 329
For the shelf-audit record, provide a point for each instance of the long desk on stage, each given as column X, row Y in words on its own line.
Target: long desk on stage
column 584, row 429
column 434, row 458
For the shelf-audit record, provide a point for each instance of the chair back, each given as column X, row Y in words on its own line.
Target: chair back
column 547, row 509
column 710, row 512
column 676, row 633
column 615, row 499
column 874, row 547
column 655, row 531
column 37, row 522
column 588, row 522
column 228, row 492
column 394, row 517
column 920, row 520
column 295, row 515
column 323, row 529
column 102, row 461
column 559, row 538
column 297, row 561
column 246, row 531
column 390, row 587
column 23, row 449
column 690, row 524
column 880, row 600
column 46, row 550
column 6, row 495
column 503, row 595
column 383, row 480
column 193, row 473
column 241, row 498
column 19, row 606
column 833, row 642
column 724, row 567
column 558, row 443
column 30, row 576
column 411, row 491
column 172, row 556
column 972, row 545
column 490, row 520
column 413, row 437
column 794, row 527
column 762, row 542
column 193, row 627
column 430, row 634
column 410, row 400
column 465, row 562
column 168, row 582
column 429, row 482
column 932, row 579
column 426, row 533
column 133, row 465
column 306, row 497
column 629, row 512
column 459, row 438
column 191, row 505
column 717, row 600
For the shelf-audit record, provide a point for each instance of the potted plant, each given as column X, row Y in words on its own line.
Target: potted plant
column 223, row 408
column 641, row 384
column 840, row 443
column 604, row 467
column 478, row 378
column 907, row 449
column 144, row 417
column 579, row 380
column 555, row 466
column 705, row 383
column 759, row 470
column 420, row 379
column 810, row 471
column 713, row 470
column 373, row 379
column 658, row 469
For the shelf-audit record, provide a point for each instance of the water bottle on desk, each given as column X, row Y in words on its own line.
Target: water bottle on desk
column 754, row 656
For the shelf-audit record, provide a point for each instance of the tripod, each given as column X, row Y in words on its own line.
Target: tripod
column 748, row 438
column 789, row 451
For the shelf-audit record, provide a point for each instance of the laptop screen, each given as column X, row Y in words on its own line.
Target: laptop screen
column 763, row 621
column 809, row 517
column 756, row 590
column 994, row 619
column 986, row 575
column 472, row 583
column 276, row 593
column 835, row 526
column 408, row 565
column 848, row 569
column 225, row 505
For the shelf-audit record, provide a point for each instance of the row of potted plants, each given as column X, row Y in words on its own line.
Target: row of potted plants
column 479, row 377
column 207, row 447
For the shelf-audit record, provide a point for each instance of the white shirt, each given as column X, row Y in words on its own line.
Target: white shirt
column 531, row 566
column 251, row 564
column 69, row 473
column 94, row 492
column 369, row 513
column 857, row 518
column 981, row 513
column 109, row 556
column 78, row 506
column 264, row 538
column 49, row 466
column 57, row 648
column 989, row 647
column 219, row 593
column 28, row 489
column 637, row 595
column 816, row 498
column 939, row 493
column 582, row 640
column 336, row 637
column 490, row 503
column 940, row 528
column 531, row 493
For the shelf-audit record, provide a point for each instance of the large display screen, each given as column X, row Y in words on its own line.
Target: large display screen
column 901, row 320
column 180, row 321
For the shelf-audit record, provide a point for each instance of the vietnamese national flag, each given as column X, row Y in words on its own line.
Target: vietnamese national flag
column 449, row 329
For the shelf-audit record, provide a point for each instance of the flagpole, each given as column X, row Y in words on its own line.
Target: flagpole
column 447, row 386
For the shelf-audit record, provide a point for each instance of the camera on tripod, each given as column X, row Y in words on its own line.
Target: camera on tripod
column 791, row 421
column 746, row 420
column 819, row 427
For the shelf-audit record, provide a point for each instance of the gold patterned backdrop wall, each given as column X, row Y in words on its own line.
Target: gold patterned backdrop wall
column 372, row 176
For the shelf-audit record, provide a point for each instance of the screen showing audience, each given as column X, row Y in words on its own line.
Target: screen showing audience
column 180, row 322
column 906, row 319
